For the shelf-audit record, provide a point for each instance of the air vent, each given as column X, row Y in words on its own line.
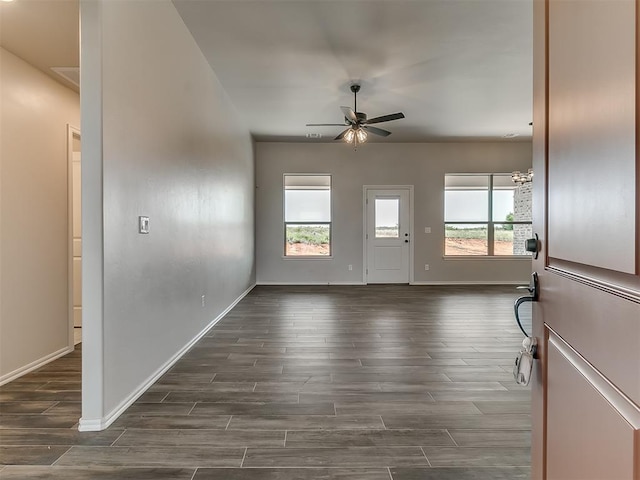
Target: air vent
column 314, row 135
column 71, row 74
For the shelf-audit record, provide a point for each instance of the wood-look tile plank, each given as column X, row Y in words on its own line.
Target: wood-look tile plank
column 231, row 397
column 520, row 407
column 57, row 436
column 269, row 377
column 292, row 474
column 334, row 457
column 382, row 377
column 460, row 473
column 214, row 438
column 30, row 455
column 317, row 387
column 227, row 387
column 96, row 473
column 174, row 457
column 441, row 387
column 482, row 396
column 25, row 407
column 177, row 422
column 365, row 397
column 502, row 422
column 40, row 396
column 411, row 362
column 306, row 422
column 478, row 456
column 366, row 438
column 147, row 409
column 491, row 438
column 406, row 408
column 238, row 408
column 38, row 421
column 73, row 409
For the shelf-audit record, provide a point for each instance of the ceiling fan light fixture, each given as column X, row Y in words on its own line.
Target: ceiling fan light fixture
column 361, row 135
column 350, row 136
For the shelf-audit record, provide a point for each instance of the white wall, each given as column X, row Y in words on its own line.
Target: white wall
column 421, row 165
column 160, row 139
column 35, row 111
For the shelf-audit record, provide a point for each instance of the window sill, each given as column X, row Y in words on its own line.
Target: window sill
column 307, row 257
column 487, row 257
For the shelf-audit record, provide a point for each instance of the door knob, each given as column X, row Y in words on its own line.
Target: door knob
column 533, row 245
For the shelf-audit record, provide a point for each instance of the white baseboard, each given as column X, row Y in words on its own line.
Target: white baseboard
column 96, row 425
column 461, row 282
column 8, row 377
column 304, row 284
column 474, row 282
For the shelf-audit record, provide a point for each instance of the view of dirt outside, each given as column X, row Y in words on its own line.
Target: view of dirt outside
column 475, row 246
column 305, row 249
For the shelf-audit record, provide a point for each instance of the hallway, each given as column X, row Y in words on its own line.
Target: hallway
column 335, row 383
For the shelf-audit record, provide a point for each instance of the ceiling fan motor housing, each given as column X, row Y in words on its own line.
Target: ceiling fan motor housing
column 362, row 117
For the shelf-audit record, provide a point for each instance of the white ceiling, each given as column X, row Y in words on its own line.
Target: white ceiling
column 458, row 69
column 44, row 33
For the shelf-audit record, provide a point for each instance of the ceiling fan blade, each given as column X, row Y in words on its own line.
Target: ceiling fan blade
column 385, row 118
column 326, row 124
column 349, row 114
column 342, row 134
column 377, row 131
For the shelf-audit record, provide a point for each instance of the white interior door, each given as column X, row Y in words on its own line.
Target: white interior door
column 77, row 239
column 388, row 235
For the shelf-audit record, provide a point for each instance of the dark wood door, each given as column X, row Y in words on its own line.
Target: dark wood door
column 586, row 387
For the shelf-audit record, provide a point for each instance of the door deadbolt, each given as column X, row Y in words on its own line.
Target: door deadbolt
column 533, row 245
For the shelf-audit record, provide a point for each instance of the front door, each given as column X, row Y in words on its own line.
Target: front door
column 388, row 235
column 586, row 389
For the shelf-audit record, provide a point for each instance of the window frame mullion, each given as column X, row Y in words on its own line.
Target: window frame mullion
column 491, row 228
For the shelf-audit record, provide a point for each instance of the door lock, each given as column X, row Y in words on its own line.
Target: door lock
column 533, row 245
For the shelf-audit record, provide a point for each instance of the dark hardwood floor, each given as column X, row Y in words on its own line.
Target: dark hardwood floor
column 332, row 383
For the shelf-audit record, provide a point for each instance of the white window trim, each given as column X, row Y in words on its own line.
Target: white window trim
column 284, row 222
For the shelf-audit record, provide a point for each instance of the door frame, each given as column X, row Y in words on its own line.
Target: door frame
column 365, row 191
column 71, row 132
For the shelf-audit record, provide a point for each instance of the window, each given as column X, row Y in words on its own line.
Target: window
column 486, row 215
column 307, row 215
column 387, row 217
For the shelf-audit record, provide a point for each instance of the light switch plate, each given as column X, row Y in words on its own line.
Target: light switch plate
column 427, row 229
column 143, row 224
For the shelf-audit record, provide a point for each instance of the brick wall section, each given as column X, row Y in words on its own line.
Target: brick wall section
column 522, row 208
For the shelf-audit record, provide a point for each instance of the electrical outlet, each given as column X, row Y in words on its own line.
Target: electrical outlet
column 350, row 267
column 426, row 266
column 203, row 300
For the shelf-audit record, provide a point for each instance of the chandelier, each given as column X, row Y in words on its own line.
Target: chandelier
column 522, row 178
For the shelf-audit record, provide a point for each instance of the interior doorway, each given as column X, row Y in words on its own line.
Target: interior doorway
column 75, row 234
column 388, row 230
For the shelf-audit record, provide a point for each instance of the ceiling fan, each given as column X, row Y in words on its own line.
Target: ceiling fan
column 357, row 122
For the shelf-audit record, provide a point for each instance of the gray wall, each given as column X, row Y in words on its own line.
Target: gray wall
column 420, row 165
column 160, row 139
column 34, row 314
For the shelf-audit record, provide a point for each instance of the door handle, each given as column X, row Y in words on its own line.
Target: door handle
column 524, row 360
column 534, row 293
